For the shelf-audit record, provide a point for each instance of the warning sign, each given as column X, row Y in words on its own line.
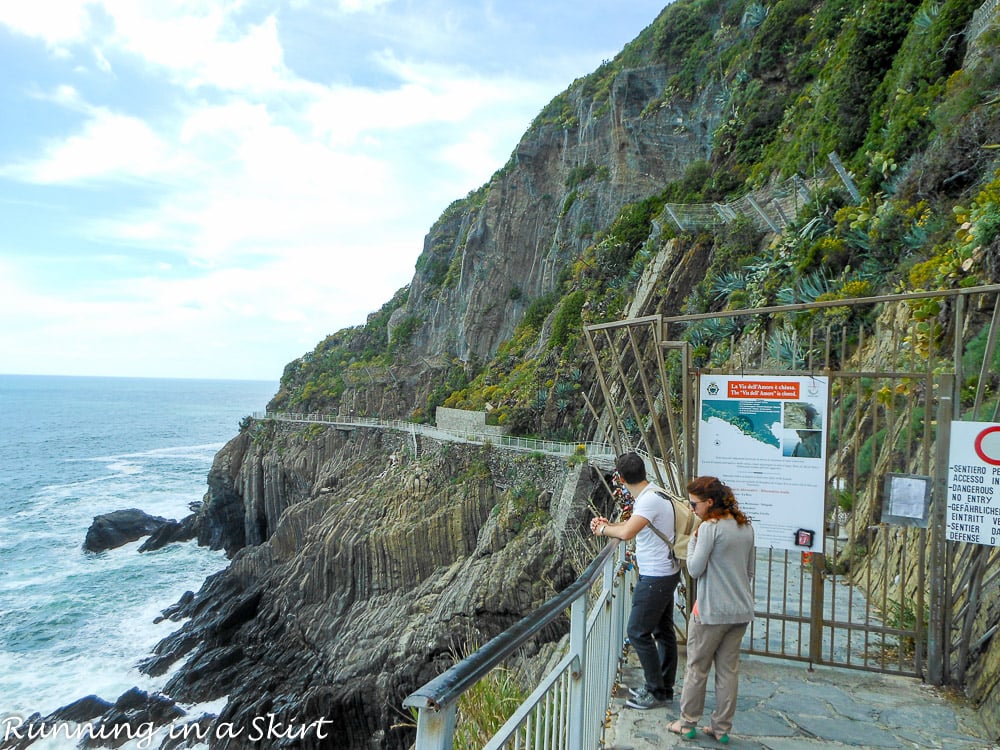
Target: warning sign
column 974, row 483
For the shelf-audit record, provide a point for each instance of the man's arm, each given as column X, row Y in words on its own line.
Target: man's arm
column 627, row 530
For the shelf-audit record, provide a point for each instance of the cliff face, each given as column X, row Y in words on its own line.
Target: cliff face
column 376, row 570
column 563, row 183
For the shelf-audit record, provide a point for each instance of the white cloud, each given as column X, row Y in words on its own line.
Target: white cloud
column 361, row 6
column 237, row 210
column 202, row 47
column 55, row 22
column 109, row 146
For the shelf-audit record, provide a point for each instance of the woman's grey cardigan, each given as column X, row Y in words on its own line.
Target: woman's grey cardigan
column 721, row 558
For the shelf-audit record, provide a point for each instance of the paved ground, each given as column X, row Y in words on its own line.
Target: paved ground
column 784, row 706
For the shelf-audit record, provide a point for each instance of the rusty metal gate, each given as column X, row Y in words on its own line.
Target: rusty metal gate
column 880, row 597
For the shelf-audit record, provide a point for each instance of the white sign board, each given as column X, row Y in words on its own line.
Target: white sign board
column 974, row 483
column 765, row 436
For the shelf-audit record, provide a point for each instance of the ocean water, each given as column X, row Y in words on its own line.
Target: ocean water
column 74, row 623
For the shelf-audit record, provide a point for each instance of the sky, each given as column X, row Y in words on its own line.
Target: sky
column 208, row 188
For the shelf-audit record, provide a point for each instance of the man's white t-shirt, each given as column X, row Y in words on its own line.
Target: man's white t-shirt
column 651, row 552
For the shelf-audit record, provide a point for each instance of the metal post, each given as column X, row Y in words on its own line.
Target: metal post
column 816, row 608
column 937, row 635
column 577, row 688
column 845, row 176
column 436, row 729
column 760, row 211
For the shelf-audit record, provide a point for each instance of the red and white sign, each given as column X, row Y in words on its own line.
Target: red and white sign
column 988, row 445
column 974, row 483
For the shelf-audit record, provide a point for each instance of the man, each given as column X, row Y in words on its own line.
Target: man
column 651, row 622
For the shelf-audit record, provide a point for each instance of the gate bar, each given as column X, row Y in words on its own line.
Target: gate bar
column 937, row 635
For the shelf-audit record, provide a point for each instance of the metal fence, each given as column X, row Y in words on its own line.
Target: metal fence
column 568, row 710
column 983, row 17
column 770, row 209
column 878, row 595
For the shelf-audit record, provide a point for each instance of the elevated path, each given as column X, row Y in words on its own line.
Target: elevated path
column 600, row 454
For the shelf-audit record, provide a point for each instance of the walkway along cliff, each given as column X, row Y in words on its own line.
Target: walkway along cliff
column 361, row 572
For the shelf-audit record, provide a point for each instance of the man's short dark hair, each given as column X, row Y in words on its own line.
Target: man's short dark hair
column 631, row 467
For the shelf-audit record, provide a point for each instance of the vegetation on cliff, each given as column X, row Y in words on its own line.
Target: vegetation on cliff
column 882, row 85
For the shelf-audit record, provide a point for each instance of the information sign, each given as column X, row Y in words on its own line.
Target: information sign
column 765, row 436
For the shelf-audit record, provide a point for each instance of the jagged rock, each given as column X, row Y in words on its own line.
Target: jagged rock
column 134, row 715
column 81, row 710
column 175, row 611
column 110, row 530
column 170, row 532
column 16, row 735
column 348, row 607
column 190, row 733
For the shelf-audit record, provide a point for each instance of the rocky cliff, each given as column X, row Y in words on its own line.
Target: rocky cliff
column 361, row 572
column 538, row 214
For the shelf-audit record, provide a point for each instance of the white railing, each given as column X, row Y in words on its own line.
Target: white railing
column 588, row 449
column 569, row 707
column 982, row 18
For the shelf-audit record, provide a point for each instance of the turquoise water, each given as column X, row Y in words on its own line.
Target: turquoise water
column 74, row 623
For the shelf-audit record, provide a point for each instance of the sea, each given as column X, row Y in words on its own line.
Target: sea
column 74, row 623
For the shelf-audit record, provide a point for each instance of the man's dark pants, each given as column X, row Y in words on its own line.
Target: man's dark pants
column 651, row 632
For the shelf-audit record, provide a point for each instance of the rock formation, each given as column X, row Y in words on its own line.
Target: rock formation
column 110, row 530
column 375, row 574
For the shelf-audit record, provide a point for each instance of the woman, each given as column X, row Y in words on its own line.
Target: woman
column 721, row 560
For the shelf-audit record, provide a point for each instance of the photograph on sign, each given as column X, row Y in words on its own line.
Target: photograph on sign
column 802, row 434
column 906, row 500
column 974, row 483
column 765, row 437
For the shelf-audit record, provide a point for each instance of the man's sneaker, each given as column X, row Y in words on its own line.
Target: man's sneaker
column 643, row 699
column 642, row 691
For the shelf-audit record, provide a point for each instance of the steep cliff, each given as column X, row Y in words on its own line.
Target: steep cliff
column 510, row 243
column 366, row 571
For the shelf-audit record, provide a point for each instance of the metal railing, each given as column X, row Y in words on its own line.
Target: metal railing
column 569, row 707
column 982, row 18
column 587, row 449
column 769, row 208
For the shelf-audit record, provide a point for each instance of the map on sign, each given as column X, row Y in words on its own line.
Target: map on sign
column 756, row 420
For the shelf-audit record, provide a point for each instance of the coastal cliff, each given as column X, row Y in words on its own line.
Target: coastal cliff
column 377, row 569
column 611, row 205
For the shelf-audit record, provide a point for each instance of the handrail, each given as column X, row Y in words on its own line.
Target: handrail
column 447, row 686
column 568, row 709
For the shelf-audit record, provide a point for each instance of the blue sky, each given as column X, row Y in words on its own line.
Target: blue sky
column 207, row 188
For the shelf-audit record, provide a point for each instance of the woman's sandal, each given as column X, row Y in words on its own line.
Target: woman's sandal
column 688, row 733
column 722, row 739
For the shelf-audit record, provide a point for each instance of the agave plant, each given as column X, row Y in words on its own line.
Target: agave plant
column 729, row 282
column 807, row 289
column 697, row 335
column 925, row 17
column 754, row 16
column 719, row 329
column 783, row 347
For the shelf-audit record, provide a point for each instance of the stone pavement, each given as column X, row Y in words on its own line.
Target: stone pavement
column 784, row 706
